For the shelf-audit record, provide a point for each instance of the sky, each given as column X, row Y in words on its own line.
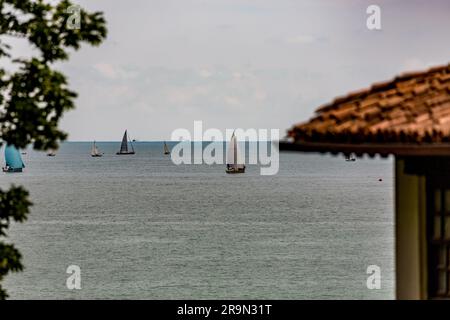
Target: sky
column 240, row 63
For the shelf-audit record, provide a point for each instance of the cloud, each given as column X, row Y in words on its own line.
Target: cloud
column 205, row 73
column 237, row 75
column 115, row 72
column 185, row 95
column 232, row 101
column 301, row 39
column 415, row 64
column 260, row 95
column 106, row 70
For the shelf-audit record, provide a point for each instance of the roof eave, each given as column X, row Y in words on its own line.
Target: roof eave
column 371, row 149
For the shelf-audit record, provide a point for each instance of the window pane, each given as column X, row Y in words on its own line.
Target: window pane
column 442, row 257
column 448, row 256
column 447, row 228
column 448, row 284
column 442, row 282
column 437, row 200
column 447, row 200
column 437, row 228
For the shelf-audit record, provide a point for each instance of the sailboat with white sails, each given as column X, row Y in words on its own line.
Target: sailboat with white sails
column 124, row 146
column 235, row 161
column 350, row 157
column 95, row 152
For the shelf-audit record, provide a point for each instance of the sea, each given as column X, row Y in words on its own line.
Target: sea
column 141, row 227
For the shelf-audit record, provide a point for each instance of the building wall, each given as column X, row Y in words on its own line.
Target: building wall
column 410, row 237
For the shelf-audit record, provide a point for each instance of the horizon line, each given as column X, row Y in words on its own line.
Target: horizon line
column 119, row 141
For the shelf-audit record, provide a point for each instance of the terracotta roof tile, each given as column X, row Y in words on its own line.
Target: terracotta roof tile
column 421, row 88
column 413, row 107
column 444, row 77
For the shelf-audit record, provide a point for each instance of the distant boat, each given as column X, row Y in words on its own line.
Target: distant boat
column 51, row 153
column 235, row 162
column 95, row 152
column 350, row 157
column 13, row 160
column 124, row 146
column 166, row 148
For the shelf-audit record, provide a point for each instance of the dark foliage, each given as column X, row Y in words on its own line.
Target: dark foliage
column 34, row 96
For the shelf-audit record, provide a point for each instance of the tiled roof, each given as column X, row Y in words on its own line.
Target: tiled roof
column 412, row 108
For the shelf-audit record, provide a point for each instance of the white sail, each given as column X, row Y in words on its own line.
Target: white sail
column 94, row 151
column 234, row 154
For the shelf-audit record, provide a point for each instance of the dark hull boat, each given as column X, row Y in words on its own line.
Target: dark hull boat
column 13, row 160
column 232, row 170
column 11, row 170
column 124, row 146
column 235, row 163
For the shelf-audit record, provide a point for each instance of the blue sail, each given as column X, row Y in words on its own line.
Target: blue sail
column 13, row 158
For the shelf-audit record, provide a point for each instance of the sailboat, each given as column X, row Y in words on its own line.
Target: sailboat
column 13, row 160
column 166, row 148
column 95, row 152
column 51, row 153
column 350, row 157
column 124, row 146
column 235, row 163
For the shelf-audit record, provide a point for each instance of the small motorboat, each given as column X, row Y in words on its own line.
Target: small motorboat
column 235, row 169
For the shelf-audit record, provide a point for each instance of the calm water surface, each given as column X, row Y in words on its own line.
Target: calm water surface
column 141, row 227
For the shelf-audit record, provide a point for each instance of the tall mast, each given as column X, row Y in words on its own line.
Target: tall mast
column 131, row 143
column 235, row 151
